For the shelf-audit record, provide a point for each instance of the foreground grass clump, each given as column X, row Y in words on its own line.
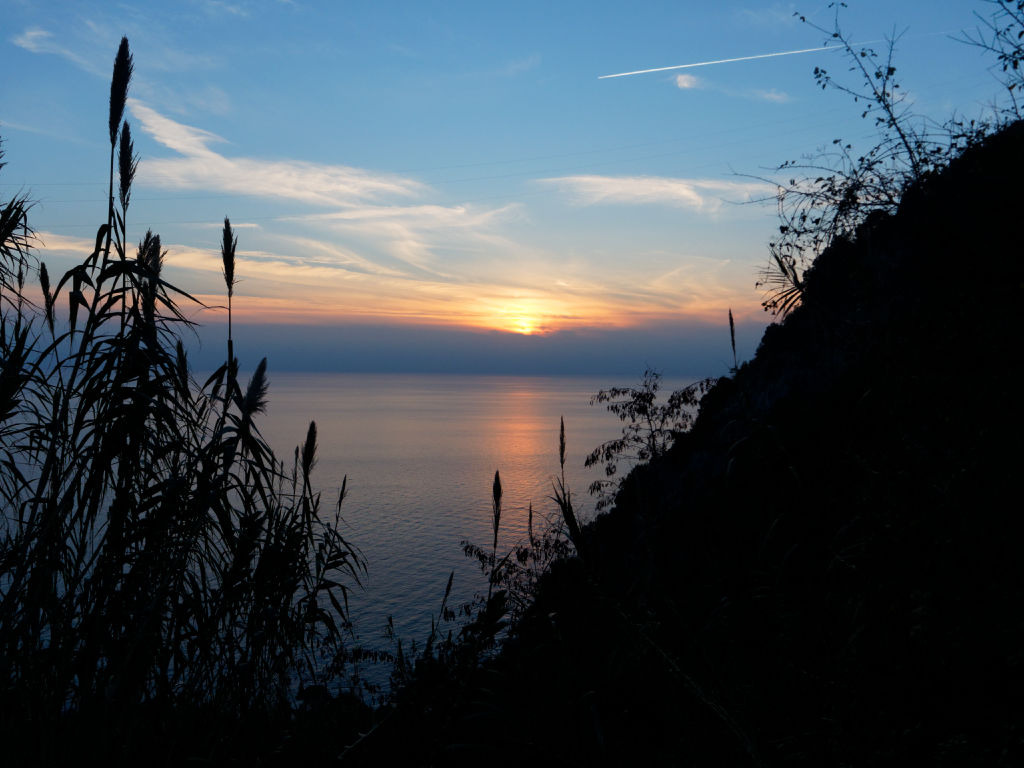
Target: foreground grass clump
column 159, row 568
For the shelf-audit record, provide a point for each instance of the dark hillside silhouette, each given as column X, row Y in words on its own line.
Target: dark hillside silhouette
column 826, row 570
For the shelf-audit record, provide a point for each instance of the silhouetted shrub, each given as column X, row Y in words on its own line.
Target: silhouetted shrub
column 829, row 193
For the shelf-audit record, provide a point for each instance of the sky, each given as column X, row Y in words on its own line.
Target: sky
column 455, row 186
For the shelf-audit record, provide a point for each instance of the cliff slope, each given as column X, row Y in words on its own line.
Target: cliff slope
column 826, row 570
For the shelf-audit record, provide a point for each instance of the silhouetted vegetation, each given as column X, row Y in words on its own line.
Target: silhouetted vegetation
column 1001, row 33
column 649, row 428
column 820, row 568
column 828, row 194
column 434, row 686
column 518, row 571
column 160, row 569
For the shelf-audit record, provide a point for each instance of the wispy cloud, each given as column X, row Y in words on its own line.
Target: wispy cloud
column 364, row 208
column 14, row 125
column 779, row 97
column 218, row 7
column 319, row 252
column 777, row 14
column 421, row 237
column 322, row 264
column 430, row 216
column 39, row 40
column 698, row 194
column 164, row 58
column 201, row 167
column 65, row 245
column 185, row 100
column 519, row 66
column 687, row 82
column 286, row 284
column 183, row 139
column 160, row 57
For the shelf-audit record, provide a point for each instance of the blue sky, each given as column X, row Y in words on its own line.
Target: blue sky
column 456, row 168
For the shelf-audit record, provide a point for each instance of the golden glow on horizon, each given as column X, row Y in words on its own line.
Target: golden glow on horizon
column 275, row 290
column 467, row 315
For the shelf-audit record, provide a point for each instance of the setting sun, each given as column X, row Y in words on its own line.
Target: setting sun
column 524, row 325
column 528, row 316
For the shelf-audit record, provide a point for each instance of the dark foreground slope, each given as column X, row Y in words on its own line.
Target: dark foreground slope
column 827, row 570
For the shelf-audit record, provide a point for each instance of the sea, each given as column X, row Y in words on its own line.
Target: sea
column 419, row 453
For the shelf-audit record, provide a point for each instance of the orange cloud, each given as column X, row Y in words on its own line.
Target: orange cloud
column 541, row 295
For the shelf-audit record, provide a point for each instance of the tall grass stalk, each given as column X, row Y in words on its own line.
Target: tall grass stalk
column 495, row 525
column 562, row 496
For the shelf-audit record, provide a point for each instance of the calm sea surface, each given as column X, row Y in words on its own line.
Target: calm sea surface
column 420, row 454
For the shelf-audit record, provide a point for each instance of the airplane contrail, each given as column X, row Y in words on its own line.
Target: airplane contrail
column 725, row 61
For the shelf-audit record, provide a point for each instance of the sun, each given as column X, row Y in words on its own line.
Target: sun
column 523, row 316
column 524, row 325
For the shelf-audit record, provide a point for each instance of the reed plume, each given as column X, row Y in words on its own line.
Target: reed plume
column 124, row 66
column 732, row 338
column 255, row 400
column 149, row 262
column 44, row 283
column 561, row 445
column 309, row 451
column 229, row 242
column 562, row 496
column 150, row 256
column 127, row 165
column 496, row 506
column 495, row 524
